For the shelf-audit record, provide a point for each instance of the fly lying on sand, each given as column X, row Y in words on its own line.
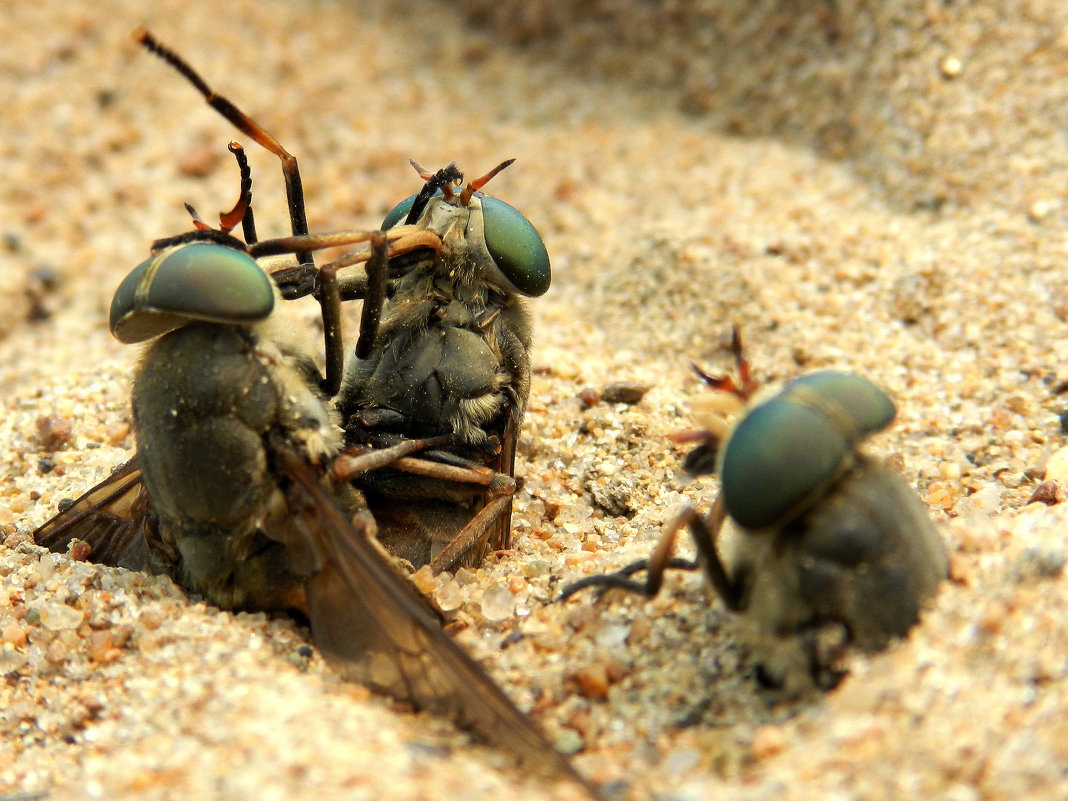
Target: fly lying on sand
column 829, row 547
column 244, row 487
column 451, row 356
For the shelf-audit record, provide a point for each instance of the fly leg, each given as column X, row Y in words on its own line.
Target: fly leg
column 304, row 278
column 298, row 215
column 704, row 531
column 472, row 534
column 455, row 473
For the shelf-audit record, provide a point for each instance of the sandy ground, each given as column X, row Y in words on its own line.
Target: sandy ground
column 871, row 186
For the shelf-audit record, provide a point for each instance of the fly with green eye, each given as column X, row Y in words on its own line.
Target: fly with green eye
column 443, row 350
column 825, row 546
column 245, row 489
column 451, row 357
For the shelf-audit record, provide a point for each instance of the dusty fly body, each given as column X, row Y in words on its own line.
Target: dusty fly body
column 815, row 545
column 210, row 402
column 855, row 570
column 245, row 487
column 451, row 357
column 232, row 491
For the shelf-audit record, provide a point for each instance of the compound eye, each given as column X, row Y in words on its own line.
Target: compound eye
column 516, row 247
column 787, row 451
column 864, row 404
column 777, row 460
column 199, row 281
column 399, row 212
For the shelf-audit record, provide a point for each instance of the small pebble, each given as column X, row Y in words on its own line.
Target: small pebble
column 424, row 580
column 46, row 567
column 516, row 585
column 151, row 619
column 449, row 597
column 13, row 634
column 612, row 636
column 569, row 741
column 1063, row 419
column 54, row 431
column 56, row 652
column 498, row 603
column 535, row 568
column 589, row 397
column 1046, row 493
column 592, row 681
column 102, row 646
column 944, row 495
column 984, row 503
column 951, row 66
column 624, row 392
column 59, row 617
column 117, row 433
column 11, row 661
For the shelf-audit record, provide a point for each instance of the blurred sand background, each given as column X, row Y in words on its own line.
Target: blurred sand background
column 871, row 185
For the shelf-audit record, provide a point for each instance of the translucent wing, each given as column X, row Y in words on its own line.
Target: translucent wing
column 371, row 620
column 500, row 535
column 114, row 518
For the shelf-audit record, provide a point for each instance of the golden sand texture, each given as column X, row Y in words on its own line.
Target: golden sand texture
column 875, row 186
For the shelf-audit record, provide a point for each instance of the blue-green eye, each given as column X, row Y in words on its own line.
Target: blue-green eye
column 399, row 212
column 513, row 243
column 867, row 406
column 199, row 281
column 787, row 451
column 516, row 247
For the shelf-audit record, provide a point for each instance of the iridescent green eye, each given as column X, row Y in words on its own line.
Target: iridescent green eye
column 868, row 407
column 399, row 212
column 199, row 281
column 513, row 243
column 516, row 247
column 787, row 451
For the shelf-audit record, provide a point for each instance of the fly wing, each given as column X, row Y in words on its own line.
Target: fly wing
column 370, row 620
column 500, row 534
column 114, row 518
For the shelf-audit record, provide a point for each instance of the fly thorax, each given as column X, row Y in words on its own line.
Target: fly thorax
column 300, row 410
column 458, row 314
